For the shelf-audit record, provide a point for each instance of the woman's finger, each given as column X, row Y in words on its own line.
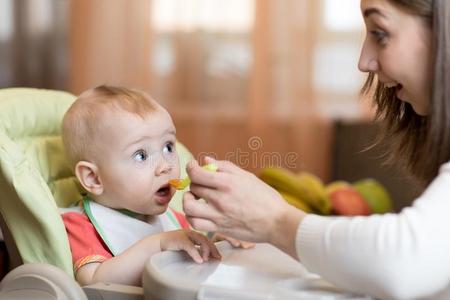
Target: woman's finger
column 201, row 224
column 223, row 165
column 205, row 193
column 200, row 176
column 193, row 207
column 247, row 245
column 234, row 242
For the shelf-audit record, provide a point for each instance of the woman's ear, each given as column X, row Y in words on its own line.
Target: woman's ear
column 87, row 174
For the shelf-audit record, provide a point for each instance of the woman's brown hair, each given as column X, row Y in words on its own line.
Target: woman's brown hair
column 420, row 144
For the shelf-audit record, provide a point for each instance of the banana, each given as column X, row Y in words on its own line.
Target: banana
column 304, row 186
column 317, row 190
column 297, row 202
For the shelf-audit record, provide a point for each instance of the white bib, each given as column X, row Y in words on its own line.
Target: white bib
column 119, row 231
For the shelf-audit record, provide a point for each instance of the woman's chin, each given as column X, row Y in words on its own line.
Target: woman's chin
column 421, row 111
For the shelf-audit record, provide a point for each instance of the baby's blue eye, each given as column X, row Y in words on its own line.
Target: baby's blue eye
column 140, row 155
column 169, row 148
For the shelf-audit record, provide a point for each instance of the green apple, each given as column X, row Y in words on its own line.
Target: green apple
column 375, row 194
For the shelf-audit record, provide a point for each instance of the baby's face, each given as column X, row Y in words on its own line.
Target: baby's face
column 136, row 159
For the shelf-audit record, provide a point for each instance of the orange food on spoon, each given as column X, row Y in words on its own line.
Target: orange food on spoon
column 181, row 184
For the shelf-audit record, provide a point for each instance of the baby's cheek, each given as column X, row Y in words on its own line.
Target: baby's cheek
column 177, row 170
column 141, row 186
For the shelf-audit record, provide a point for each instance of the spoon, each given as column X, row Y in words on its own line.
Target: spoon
column 181, row 184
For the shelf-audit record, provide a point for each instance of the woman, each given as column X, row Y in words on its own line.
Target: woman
column 407, row 55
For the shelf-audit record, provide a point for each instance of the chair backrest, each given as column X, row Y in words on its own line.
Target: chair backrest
column 36, row 178
column 33, row 173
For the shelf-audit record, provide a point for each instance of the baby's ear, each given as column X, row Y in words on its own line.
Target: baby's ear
column 87, row 174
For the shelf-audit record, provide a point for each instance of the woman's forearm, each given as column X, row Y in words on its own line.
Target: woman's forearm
column 284, row 229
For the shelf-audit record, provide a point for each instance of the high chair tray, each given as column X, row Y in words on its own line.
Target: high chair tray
column 261, row 273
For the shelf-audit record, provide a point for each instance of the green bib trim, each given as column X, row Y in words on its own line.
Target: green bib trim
column 87, row 210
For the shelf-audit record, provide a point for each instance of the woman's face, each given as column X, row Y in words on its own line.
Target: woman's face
column 398, row 50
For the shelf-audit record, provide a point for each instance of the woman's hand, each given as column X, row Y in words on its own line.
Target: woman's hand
column 187, row 240
column 240, row 205
column 217, row 237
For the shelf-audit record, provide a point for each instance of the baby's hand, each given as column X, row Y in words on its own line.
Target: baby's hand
column 187, row 240
column 234, row 242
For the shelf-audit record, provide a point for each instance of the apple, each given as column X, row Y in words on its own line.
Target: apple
column 375, row 194
column 336, row 185
column 347, row 201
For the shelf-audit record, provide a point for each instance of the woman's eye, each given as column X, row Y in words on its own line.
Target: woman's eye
column 379, row 35
column 169, row 148
column 140, row 155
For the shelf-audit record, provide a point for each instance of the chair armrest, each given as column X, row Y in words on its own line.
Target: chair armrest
column 113, row 291
column 40, row 280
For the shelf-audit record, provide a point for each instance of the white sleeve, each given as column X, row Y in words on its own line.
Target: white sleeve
column 394, row 256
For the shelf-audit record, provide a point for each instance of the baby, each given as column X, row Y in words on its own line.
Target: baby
column 122, row 146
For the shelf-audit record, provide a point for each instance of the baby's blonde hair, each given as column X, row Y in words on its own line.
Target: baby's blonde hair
column 85, row 117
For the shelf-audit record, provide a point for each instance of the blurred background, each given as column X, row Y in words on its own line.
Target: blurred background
column 241, row 78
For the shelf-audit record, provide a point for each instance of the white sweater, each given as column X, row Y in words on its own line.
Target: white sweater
column 390, row 256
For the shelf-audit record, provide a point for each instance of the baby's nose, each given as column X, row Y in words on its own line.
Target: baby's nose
column 163, row 168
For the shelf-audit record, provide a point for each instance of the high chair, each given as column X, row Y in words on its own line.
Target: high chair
column 35, row 180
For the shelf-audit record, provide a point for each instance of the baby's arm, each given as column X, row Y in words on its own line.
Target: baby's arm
column 127, row 268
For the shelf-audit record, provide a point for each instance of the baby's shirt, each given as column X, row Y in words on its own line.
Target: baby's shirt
column 97, row 233
column 86, row 244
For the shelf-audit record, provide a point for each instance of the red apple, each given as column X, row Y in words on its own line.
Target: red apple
column 348, row 202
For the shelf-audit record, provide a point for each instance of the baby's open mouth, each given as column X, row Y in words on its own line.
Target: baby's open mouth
column 163, row 191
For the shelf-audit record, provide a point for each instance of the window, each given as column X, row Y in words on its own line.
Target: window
column 342, row 15
column 209, row 15
column 6, row 31
column 337, row 80
column 6, row 20
column 202, row 51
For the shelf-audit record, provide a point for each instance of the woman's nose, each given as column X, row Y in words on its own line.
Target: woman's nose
column 368, row 61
